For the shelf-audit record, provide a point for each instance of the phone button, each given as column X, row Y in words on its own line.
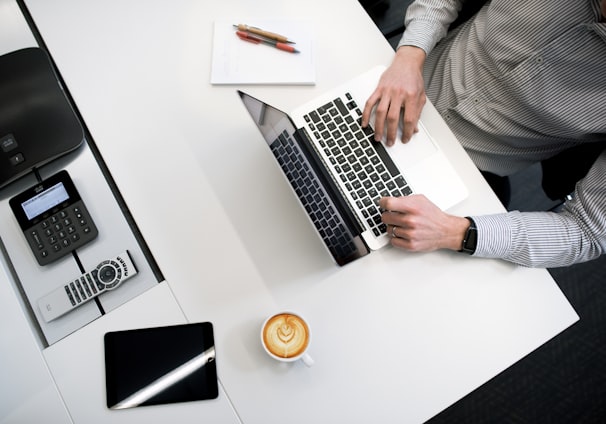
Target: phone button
column 18, row 159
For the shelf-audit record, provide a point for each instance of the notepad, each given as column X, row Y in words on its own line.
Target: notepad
column 235, row 61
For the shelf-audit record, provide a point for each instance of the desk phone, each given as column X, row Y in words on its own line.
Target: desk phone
column 53, row 218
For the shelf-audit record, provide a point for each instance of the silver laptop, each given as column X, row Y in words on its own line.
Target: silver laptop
column 339, row 172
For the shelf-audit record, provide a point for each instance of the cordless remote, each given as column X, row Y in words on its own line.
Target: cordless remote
column 107, row 276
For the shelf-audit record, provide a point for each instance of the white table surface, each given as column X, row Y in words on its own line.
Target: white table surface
column 397, row 337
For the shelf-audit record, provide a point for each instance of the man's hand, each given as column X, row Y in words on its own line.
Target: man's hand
column 416, row 224
column 400, row 87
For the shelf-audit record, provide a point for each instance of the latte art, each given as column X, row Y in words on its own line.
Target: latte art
column 286, row 335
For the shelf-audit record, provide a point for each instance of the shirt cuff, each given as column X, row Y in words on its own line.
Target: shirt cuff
column 494, row 235
column 419, row 34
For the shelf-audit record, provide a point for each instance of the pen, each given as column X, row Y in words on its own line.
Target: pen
column 265, row 34
column 256, row 40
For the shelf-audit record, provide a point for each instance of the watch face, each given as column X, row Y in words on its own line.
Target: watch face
column 471, row 238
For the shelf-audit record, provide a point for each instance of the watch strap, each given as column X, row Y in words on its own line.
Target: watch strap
column 470, row 240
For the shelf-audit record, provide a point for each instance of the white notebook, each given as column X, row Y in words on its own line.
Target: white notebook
column 235, row 61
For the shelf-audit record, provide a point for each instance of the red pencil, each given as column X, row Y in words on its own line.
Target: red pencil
column 256, row 40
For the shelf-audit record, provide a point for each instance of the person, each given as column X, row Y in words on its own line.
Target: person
column 517, row 83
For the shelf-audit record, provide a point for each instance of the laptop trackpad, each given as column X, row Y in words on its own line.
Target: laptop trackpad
column 428, row 170
column 407, row 155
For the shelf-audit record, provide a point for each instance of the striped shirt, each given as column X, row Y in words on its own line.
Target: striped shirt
column 519, row 82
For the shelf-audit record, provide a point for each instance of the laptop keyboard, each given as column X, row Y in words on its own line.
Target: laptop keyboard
column 317, row 203
column 363, row 165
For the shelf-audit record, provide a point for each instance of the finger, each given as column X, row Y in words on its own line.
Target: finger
column 393, row 120
column 401, row 242
column 400, row 233
column 391, row 230
column 394, row 219
column 412, row 113
column 380, row 117
column 383, row 204
column 368, row 106
column 401, row 239
column 391, row 204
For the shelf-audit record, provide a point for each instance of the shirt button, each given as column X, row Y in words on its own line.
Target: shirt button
column 539, row 60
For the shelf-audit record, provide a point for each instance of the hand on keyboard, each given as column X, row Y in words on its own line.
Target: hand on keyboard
column 416, row 224
column 400, row 95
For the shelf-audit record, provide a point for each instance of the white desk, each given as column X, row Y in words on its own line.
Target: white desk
column 397, row 337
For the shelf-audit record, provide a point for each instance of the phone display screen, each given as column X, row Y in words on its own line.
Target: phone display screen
column 45, row 201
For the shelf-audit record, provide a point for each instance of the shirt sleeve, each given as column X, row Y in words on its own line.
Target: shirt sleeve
column 548, row 239
column 427, row 22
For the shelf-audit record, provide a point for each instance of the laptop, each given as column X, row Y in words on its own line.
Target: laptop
column 339, row 172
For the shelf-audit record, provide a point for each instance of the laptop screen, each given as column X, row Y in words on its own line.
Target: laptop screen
column 309, row 180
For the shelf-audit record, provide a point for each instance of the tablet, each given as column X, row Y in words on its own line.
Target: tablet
column 160, row 365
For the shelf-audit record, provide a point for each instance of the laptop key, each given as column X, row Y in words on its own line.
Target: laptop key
column 341, row 106
column 380, row 149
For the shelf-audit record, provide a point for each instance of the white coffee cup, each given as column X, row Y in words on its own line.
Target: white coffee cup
column 285, row 336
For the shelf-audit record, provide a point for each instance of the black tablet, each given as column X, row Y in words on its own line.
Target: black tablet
column 160, row 365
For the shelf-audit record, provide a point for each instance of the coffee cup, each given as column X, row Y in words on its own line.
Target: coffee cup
column 285, row 337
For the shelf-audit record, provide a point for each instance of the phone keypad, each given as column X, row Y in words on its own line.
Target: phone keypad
column 62, row 232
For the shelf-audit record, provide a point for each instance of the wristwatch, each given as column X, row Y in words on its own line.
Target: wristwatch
column 470, row 240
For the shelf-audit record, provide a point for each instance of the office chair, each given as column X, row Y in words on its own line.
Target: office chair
column 562, row 171
column 375, row 6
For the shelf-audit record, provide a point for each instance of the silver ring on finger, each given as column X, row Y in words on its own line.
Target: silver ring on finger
column 393, row 231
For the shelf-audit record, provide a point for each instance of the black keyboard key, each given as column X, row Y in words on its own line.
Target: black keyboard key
column 401, row 182
column 380, row 149
column 322, row 109
column 341, row 106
